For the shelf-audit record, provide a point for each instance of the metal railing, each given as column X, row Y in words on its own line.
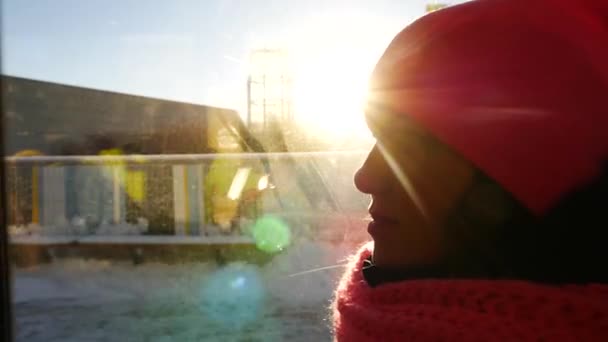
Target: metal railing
column 197, row 196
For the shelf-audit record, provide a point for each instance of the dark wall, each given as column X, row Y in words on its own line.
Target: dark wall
column 65, row 120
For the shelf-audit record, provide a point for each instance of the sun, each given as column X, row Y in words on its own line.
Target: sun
column 331, row 95
column 331, row 64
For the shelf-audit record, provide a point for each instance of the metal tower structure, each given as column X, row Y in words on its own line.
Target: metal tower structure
column 435, row 5
column 269, row 89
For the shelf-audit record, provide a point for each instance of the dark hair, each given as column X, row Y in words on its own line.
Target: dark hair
column 491, row 235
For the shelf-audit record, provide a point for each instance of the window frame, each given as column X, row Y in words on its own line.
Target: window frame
column 6, row 317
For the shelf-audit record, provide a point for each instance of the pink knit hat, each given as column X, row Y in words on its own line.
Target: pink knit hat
column 518, row 87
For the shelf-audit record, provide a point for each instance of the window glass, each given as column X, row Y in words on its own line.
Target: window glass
column 182, row 170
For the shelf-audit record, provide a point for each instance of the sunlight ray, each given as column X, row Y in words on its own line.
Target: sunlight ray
column 402, row 178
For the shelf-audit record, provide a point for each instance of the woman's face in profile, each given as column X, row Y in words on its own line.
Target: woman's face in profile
column 414, row 182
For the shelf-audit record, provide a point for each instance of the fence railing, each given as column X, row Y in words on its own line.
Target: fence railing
column 177, row 195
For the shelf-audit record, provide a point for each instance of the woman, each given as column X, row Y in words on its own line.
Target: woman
column 488, row 183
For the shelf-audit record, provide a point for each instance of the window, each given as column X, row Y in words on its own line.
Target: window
column 183, row 170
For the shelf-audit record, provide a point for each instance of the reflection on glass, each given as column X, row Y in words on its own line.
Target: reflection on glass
column 271, row 234
column 233, row 296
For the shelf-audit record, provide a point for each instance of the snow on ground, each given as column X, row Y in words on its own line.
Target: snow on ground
column 85, row 300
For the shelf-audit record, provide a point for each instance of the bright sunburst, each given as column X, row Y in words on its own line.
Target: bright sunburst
column 332, row 61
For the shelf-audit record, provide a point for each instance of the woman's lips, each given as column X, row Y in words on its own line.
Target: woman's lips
column 380, row 224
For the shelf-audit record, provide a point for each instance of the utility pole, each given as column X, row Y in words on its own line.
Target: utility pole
column 269, row 89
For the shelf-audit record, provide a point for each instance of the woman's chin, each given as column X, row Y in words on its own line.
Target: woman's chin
column 383, row 258
column 395, row 254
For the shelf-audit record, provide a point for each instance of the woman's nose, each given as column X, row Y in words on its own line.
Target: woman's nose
column 373, row 175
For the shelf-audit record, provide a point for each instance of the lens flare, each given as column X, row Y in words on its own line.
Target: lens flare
column 233, row 296
column 263, row 183
column 271, row 234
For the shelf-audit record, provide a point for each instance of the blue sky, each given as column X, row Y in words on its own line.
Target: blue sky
column 194, row 51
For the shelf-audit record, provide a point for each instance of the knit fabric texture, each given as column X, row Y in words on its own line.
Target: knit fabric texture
column 516, row 87
column 466, row 310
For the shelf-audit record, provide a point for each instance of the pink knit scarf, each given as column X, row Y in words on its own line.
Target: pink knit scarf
column 466, row 310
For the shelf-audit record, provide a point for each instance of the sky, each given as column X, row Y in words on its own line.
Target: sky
column 198, row 51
